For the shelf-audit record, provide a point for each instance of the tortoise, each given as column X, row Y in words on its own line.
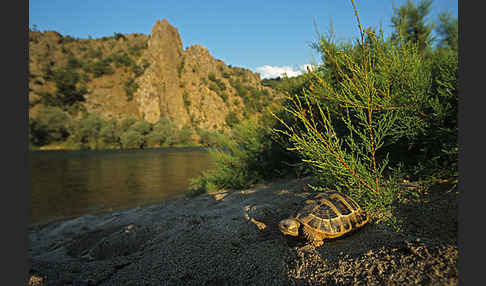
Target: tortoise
column 326, row 215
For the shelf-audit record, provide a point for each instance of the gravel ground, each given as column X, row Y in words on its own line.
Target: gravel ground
column 232, row 238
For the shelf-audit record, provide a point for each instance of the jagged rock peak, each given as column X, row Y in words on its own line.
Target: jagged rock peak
column 164, row 32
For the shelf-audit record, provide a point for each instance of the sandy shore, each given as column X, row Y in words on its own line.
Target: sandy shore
column 232, row 238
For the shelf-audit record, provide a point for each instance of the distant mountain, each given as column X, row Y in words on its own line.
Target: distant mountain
column 147, row 77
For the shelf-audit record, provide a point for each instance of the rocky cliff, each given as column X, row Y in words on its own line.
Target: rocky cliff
column 147, row 77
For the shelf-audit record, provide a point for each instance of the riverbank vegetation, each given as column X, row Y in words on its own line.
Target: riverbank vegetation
column 53, row 128
column 376, row 113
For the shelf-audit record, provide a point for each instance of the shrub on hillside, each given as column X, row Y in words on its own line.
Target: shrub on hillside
column 50, row 125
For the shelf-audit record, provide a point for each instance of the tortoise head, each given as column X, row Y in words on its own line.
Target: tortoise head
column 289, row 226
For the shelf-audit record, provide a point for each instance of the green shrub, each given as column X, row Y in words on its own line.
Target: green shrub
column 185, row 99
column 108, row 133
column 122, row 59
column 185, row 135
column 118, row 36
column 212, row 76
column 359, row 114
column 101, row 67
column 164, row 133
column 208, row 138
column 131, row 139
column 212, row 86
column 250, row 155
column 157, row 139
column 180, row 67
column 86, row 132
column 223, row 96
column 231, row 119
column 67, row 90
column 131, row 87
column 51, row 125
column 143, row 127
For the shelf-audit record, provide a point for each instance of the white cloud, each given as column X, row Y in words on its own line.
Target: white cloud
column 267, row 71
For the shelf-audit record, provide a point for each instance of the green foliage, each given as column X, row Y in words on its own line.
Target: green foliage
column 101, row 67
column 122, row 59
column 136, row 49
column 208, row 138
column 50, row 125
column 72, row 62
column 164, row 134
column 108, row 133
column 86, row 132
column 226, row 74
column 47, row 73
column 248, row 156
column 185, row 99
column 185, row 135
column 212, row 76
column 131, row 139
column 409, row 24
column 94, row 54
column 143, row 127
column 371, row 110
column 216, row 83
column 67, row 92
column 119, row 36
column 180, row 67
column 139, row 70
column 131, row 87
column 343, row 120
column 223, row 96
column 430, row 139
column 212, row 86
column 448, row 31
column 126, row 123
column 135, row 135
column 232, row 119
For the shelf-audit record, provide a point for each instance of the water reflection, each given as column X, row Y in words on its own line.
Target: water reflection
column 72, row 183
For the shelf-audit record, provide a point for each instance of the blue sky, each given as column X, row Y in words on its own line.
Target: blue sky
column 265, row 36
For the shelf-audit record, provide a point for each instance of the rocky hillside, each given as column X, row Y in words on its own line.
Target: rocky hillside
column 146, row 77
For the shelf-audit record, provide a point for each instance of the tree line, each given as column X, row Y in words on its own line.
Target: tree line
column 53, row 126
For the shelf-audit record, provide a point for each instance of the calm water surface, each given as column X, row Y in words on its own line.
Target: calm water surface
column 73, row 183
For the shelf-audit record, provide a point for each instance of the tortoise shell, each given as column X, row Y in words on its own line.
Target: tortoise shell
column 330, row 215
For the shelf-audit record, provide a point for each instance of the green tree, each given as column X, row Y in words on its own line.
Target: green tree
column 67, row 92
column 126, row 123
column 86, row 131
column 101, row 67
column 208, row 137
column 409, row 22
column 185, row 135
column 231, row 119
column 163, row 134
column 108, row 133
column 448, row 30
column 156, row 139
column 143, row 128
column 339, row 128
column 50, row 125
column 131, row 139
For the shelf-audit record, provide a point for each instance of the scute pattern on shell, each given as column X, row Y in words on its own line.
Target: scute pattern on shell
column 331, row 214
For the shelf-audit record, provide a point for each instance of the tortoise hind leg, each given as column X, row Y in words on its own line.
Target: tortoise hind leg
column 311, row 237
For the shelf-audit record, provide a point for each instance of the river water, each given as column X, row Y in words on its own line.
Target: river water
column 73, row 183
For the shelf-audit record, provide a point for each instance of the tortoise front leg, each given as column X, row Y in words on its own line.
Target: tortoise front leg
column 311, row 237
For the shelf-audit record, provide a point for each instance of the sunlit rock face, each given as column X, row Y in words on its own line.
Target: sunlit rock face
column 187, row 86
